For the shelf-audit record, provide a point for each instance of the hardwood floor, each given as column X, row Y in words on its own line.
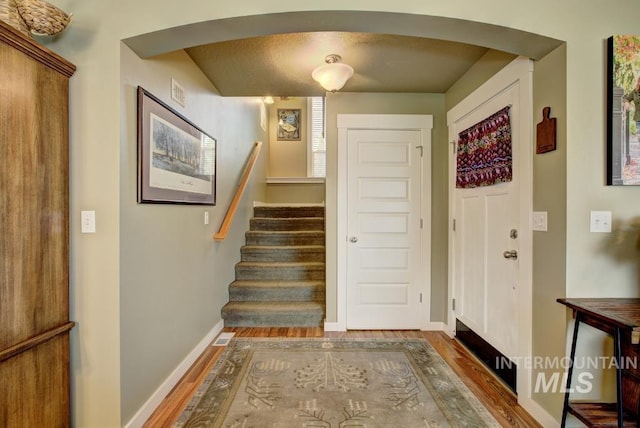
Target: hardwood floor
column 496, row 397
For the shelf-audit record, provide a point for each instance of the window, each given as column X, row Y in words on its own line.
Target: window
column 317, row 144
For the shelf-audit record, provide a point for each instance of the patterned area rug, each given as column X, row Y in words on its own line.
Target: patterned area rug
column 333, row 383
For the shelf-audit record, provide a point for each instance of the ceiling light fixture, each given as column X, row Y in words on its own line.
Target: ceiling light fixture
column 333, row 75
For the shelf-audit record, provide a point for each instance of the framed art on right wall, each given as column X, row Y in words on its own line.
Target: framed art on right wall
column 623, row 110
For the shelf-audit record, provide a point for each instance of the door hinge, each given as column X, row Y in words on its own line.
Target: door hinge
column 420, row 297
column 453, row 146
column 454, row 224
column 453, row 304
column 421, row 150
column 421, row 223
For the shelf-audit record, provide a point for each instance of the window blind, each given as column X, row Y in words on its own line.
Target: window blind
column 318, row 145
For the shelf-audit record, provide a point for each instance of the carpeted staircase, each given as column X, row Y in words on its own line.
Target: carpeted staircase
column 280, row 280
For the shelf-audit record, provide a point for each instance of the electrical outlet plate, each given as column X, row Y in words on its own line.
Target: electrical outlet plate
column 600, row 221
column 88, row 219
column 539, row 221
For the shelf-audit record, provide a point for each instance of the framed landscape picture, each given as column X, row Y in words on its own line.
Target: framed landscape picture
column 623, row 110
column 176, row 159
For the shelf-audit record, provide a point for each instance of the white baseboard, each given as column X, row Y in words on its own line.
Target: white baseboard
column 288, row 204
column 156, row 398
column 543, row 417
column 333, row 326
column 433, row 326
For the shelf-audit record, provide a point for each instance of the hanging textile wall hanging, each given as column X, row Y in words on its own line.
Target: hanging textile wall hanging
column 484, row 152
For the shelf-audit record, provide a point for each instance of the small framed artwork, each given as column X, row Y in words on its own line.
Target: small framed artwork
column 289, row 124
column 623, row 110
column 176, row 159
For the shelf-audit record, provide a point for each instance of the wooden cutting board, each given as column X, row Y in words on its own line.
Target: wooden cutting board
column 546, row 133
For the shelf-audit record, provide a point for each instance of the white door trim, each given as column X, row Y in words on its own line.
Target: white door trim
column 519, row 71
column 423, row 123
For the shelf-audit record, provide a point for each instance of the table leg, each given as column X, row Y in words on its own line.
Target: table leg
column 617, row 353
column 565, row 408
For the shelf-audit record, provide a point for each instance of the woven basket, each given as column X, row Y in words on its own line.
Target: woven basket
column 9, row 14
column 42, row 18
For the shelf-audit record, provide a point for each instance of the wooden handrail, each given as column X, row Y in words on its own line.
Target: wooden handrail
column 233, row 206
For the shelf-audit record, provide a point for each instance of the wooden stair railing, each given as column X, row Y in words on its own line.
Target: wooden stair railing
column 233, row 206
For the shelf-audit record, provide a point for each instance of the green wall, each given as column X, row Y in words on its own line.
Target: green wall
column 488, row 65
column 173, row 277
column 549, row 248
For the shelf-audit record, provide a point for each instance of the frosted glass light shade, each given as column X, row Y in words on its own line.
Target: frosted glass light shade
column 332, row 76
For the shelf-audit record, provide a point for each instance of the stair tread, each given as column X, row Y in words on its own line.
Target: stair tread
column 295, row 232
column 283, row 247
column 280, row 280
column 300, row 223
column 276, row 306
column 283, row 238
column 277, row 291
column 281, row 264
column 288, row 218
column 289, row 211
column 276, row 283
column 287, row 233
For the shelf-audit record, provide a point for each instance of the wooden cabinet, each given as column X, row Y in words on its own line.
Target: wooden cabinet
column 34, row 230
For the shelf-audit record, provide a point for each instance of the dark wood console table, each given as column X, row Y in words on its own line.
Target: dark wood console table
column 621, row 319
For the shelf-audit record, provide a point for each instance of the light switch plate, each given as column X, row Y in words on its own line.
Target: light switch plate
column 88, row 219
column 539, row 221
column 600, row 221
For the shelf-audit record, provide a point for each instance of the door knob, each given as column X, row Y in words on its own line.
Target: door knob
column 353, row 239
column 513, row 254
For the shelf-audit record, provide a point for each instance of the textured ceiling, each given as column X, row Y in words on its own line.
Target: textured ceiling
column 281, row 64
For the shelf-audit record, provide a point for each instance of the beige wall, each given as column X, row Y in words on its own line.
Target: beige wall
column 287, row 158
column 308, row 193
column 595, row 264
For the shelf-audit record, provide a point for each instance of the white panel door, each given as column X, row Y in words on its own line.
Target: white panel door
column 486, row 226
column 383, row 196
